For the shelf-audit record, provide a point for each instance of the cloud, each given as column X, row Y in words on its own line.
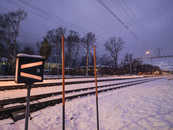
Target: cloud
column 151, row 20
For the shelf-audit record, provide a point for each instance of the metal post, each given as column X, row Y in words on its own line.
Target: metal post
column 130, row 68
column 95, row 73
column 152, row 67
column 27, row 106
column 63, row 87
column 87, row 61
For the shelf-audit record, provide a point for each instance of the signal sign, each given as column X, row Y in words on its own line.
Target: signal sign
column 29, row 68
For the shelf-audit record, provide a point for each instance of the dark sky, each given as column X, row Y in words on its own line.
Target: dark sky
column 150, row 20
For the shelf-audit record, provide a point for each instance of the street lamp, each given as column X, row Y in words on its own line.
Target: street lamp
column 147, row 52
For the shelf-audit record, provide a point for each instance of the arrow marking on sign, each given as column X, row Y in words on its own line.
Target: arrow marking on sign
column 17, row 63
column 30, row 76
column 31, row 64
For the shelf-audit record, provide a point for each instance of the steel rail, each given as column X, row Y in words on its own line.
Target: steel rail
column 7, row 112
column 22, row 86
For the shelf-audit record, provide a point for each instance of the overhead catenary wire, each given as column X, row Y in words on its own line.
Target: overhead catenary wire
column 130, row 9
column 125, row 11
column 42, row 13
column 33, row 12
column 46, row 14
column 117, row 18
column 100, row 40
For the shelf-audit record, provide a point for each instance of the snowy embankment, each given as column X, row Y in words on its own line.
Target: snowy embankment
column 145, row 106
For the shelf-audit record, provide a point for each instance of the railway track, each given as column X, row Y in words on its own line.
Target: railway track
column 55, row 83
column 11, row 78
column 15, row 107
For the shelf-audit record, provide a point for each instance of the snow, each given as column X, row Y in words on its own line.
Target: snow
column 140, row 107
column 8, row 94
column 11, row 83
column 26, row 55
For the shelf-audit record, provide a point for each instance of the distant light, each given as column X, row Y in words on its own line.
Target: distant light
column 147, row 52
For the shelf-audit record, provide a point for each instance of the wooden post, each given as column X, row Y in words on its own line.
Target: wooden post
column 63, row 86
column 95, row 73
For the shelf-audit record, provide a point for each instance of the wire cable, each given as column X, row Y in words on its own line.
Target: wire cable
column 117, row 18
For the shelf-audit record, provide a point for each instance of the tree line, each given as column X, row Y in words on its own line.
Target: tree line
column 77, row 47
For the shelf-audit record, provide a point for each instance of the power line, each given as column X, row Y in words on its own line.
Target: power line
column 22, row 31
column 47, row 14
column 125, row 10
column 36, row 14
column 44, row 12
column 117, row 18
column 130, row 9
column 41, row 11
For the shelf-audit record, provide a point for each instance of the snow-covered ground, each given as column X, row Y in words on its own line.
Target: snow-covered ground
column 8, row 94
column 11, row 83
column 146, row 106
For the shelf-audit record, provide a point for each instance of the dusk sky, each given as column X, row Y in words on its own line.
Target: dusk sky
column 86, row 64
column 150, row 20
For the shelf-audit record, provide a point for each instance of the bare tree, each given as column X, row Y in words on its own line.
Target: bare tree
column 105, row 60
column 45, row 49
column 9, row 30
column 28, row 50
column 88, row 41
column 2, row 51
column 72, row 47
column 114, row 45
column 54, row 38
column 128, row 61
